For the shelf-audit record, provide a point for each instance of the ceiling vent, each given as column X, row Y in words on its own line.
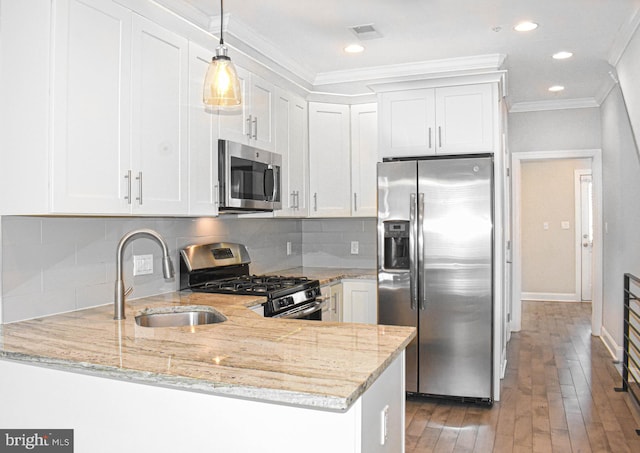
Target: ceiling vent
column 365, row 32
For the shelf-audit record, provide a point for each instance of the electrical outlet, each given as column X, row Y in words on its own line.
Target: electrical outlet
column 142, row 264
column 288, row 248
column 355, row 247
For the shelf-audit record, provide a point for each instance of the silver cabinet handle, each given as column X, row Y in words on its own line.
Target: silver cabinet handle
column 439, row 136
column 355, row 202
column 128, row 195
column 249, row 122
column 413, row 262
column 255, row 127
column 315, row 201
column 421, row 264
column 139, row 179
column 429, row 138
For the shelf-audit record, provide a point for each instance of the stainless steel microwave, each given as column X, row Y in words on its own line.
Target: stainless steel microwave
column 249, row 178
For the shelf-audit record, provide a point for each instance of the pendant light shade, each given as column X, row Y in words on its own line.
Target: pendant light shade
column 221, row 84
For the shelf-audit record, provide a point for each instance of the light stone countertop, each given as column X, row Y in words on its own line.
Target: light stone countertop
column 305, row 363
column 328, row 275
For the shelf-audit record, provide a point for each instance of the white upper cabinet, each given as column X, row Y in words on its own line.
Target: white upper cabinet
column 364, row 153
column 444, row 120
column 252, row 122
column 159, row 155
column 91, row 107
column 203, row 139
column 329, row 160
column 291, row 144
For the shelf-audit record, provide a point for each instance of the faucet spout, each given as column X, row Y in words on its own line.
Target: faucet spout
column 167, row 265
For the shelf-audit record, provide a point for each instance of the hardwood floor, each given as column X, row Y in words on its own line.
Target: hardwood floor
column 557, row 396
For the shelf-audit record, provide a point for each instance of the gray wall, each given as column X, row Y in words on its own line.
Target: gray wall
column 57, row 264
column 621, row 210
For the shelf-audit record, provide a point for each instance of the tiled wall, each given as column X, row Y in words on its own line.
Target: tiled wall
column 58, row 264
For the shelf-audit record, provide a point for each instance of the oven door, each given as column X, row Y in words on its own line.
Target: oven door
column 310, row 311
column 250, row 178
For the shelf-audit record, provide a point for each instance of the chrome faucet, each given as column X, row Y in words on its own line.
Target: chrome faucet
column 167, row 266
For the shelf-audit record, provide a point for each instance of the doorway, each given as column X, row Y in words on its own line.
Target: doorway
column 584, row 234
column 596, row 243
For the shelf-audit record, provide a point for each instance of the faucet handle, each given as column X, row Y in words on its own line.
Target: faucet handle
column 128, row 291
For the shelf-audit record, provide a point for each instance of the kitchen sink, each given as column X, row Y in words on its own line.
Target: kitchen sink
column 179, row 316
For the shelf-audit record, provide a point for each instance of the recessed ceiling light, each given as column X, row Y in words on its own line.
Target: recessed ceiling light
column 525, row 26
column 556, row 88
column 562, row 55
column 354, row 48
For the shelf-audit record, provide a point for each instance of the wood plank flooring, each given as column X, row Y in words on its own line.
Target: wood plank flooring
column 557, row 396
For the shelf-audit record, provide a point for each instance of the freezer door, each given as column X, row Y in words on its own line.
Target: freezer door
column 397, row 184
column 455, row 337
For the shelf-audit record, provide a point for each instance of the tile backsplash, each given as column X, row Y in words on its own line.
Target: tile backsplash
column 58, row 264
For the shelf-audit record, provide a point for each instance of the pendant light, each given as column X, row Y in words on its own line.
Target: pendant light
column 221, row 84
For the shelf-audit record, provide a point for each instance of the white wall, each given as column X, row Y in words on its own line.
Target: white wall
column 628, row 69
column 621, row 186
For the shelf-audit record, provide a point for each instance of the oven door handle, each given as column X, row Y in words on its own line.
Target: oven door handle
column 316, row 306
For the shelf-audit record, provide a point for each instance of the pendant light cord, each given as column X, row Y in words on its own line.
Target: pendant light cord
column 221, row 21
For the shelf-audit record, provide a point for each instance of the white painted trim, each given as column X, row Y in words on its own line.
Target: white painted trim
column 434, row 80
column 596, row 168
column 561, row 104
column 503, row 369
column 623, row 38
column 551, row 297
column 614, row 349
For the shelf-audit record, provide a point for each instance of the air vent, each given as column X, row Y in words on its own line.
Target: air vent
column 365, row 32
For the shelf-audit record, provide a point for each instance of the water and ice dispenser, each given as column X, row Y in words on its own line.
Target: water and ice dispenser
column 396, row 245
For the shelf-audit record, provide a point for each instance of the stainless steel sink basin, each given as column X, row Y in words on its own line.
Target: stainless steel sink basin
column 179, row 316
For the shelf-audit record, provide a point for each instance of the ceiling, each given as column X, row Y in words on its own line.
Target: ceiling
column 308, row 36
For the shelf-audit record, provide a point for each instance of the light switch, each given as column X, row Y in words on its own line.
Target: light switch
column 565, row 225
column 545, row 225
column 142, row 264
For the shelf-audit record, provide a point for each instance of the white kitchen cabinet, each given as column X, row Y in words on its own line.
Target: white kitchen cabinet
column 364, row 153
column 360, row 301
column 332, row 295
column 291, row 128
column 159, row 157
column 443, row 120
column 203, row 139
column 329, row 160
column 91, row 107
column 252, row 122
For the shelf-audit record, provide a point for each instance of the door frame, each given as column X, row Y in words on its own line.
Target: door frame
column 517, row 160
column 580, row 271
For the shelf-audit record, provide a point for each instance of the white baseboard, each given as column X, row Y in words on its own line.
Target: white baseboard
column 615, row 350
column 551, row 297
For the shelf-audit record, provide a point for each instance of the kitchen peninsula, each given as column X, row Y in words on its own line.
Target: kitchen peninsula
column 246, row 384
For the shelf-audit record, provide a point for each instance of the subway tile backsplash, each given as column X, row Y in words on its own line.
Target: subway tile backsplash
column 57, row 264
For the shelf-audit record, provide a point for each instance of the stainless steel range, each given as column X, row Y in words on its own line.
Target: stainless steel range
column 223, row 268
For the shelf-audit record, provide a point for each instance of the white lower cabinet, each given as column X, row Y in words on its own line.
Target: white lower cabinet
column 360, row 301
column 332, row 296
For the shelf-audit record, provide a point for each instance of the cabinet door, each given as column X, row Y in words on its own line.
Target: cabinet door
column 291, row 144
column 262, row 113
column 465, row 119
column 203, row 139
column 364, row 154
column 234, row 121
column 160, row 112
column 407, row 123
column 329, row 160
column 332, row 296
column 91, row 107
column 360, row 301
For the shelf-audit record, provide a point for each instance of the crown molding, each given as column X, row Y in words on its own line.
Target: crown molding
column 421, row 68
column 564, row 104
column 623, row 38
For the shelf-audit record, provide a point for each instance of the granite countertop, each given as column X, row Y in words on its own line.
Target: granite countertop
column 304, row 363
column 328, row 275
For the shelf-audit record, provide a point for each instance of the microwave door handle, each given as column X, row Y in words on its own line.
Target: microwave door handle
column 269, row 184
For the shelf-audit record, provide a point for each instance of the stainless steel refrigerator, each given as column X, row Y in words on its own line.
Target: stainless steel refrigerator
column 435, row 270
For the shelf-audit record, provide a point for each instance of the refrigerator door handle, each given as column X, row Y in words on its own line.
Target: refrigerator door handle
column 413, row 230
column 420, row 228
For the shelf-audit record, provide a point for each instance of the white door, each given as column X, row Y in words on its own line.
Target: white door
column 586, row 236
